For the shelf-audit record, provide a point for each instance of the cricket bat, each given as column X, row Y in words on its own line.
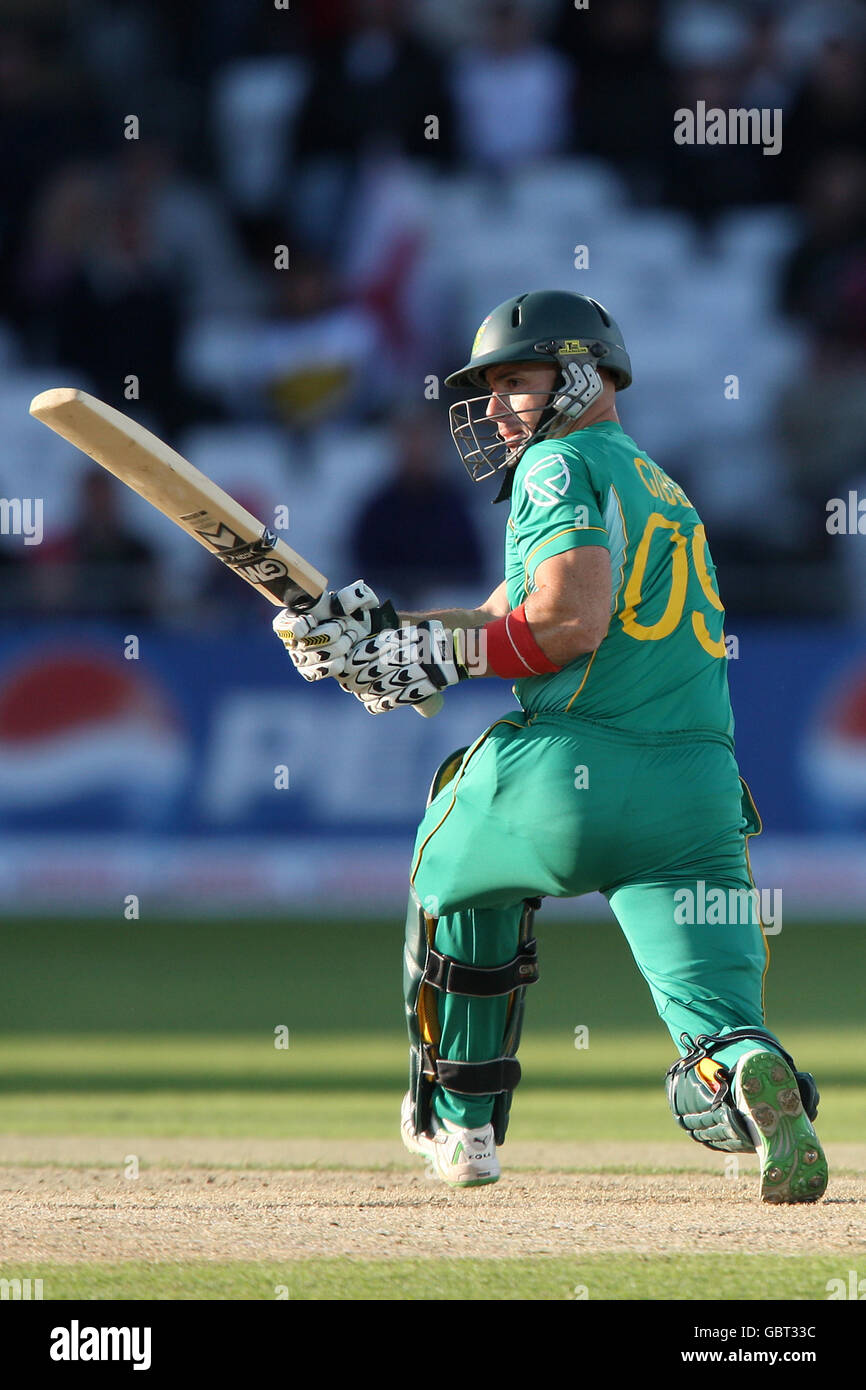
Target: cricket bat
column 189, row 499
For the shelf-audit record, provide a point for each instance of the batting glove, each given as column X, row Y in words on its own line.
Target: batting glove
column 403, row 666
column 319, row 639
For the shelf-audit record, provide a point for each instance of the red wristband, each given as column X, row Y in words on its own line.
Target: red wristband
column 512, row 650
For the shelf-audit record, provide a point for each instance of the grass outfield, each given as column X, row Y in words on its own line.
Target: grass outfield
column 333, row 1088
column 75, row 976
column 619, row 1277
column 168, row 1029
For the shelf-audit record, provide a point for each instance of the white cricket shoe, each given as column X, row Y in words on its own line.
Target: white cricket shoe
column 460, row 1157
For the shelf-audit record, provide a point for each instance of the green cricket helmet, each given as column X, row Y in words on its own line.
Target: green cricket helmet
column 569, row 331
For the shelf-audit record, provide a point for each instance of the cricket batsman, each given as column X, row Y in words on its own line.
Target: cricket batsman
column 616, row 774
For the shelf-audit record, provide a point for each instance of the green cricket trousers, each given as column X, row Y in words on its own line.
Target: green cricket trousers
column 552, row 805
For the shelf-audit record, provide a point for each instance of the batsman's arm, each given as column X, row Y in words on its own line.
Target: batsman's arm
column 564, row 617
column 569, row 608
column 496, row 606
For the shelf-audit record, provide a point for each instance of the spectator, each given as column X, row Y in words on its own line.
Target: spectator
column 828, row 116
column 369, row 101
column 186, row 226
column 824, row 281
column 725, row 57
column 100, row 566
column 705, row 180
column 821, row 426
column 372, row 95
column 512, row 92
column 99, row 293
column 47, row 118
column 312, row 356
column 623, row 98
column 415, row 536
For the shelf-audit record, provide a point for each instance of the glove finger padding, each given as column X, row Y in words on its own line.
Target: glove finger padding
column 318, row 640
column 403, row 666
column 317, row 664
column 356, row 598
column 290, row 626
column 353, row 599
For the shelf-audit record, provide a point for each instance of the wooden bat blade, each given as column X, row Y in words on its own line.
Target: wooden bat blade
column 181, row 492
column 188, row 498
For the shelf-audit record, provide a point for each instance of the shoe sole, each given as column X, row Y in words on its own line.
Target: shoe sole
column 793, row 1165
column 469, row 1180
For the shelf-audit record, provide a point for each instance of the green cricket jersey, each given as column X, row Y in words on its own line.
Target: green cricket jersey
column 662, row 666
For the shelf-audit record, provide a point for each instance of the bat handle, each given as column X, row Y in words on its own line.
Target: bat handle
column 431, row 706
column 298, row 600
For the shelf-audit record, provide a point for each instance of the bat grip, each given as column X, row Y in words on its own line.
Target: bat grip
column 298, row 600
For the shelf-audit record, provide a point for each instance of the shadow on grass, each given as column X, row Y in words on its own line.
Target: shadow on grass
column 377, row 1079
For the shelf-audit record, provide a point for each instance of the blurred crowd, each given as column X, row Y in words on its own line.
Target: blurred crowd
column 270, row 231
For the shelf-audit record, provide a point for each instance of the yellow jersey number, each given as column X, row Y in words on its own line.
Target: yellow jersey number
column 679, row 553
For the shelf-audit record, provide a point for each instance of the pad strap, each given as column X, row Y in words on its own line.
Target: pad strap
column 477, row 1078
column 453, row 977
column 707, row 1045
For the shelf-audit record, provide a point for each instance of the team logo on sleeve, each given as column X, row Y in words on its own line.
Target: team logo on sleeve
column 547, row 481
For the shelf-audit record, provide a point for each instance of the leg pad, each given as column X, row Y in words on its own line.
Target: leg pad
column 428, row 972
column 699, row 1090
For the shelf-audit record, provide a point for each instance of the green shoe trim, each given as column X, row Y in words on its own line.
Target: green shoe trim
column 793, row 1165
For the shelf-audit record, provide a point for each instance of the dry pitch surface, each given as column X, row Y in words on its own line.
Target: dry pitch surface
column 69, row 1201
